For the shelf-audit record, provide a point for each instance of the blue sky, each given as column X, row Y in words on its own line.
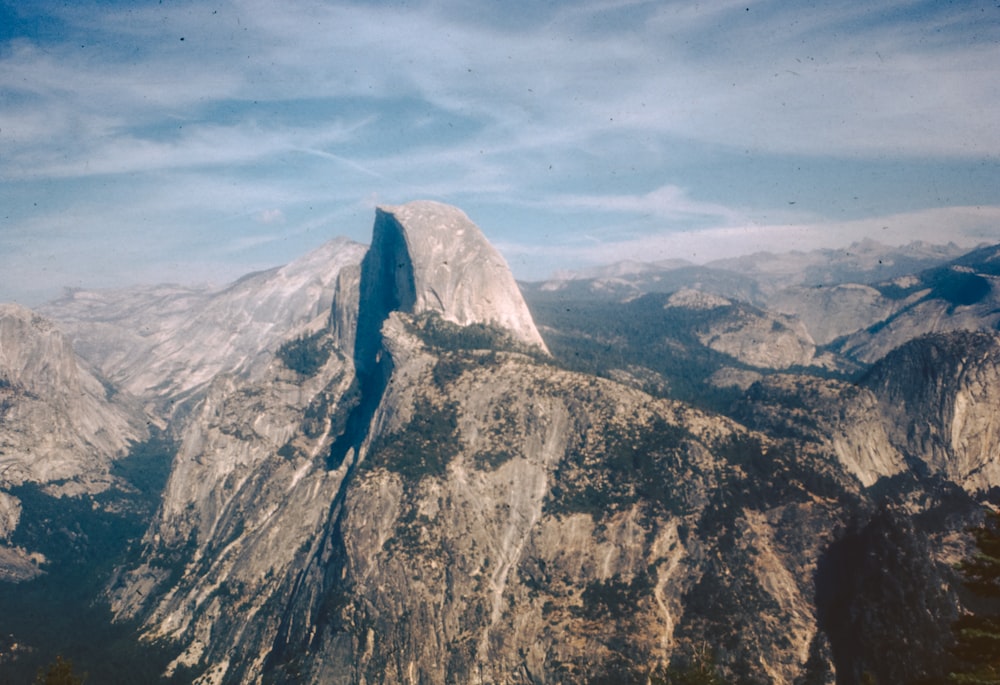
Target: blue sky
column 196, row 141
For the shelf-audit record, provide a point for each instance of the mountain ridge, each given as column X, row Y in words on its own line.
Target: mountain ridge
column 166, row 343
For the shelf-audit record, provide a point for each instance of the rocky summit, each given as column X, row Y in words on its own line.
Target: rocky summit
column 420, row 475
column 429, row 257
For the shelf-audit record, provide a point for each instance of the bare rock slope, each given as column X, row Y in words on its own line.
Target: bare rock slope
column 57, row 421
column 60, row 427
column 166, row 343
column 429, row 257
column 430, row 504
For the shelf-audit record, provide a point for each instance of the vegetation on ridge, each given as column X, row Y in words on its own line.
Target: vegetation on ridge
column 306, row 354
column 977, row 634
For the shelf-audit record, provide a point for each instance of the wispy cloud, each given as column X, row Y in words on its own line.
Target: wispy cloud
column 270, row 216
column 967, row 226
column 633, row 122
column 667, row 202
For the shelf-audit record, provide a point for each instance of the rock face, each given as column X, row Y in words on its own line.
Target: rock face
column 57, row 421
column 60, row 427
column 832, row 312
column 429, row 257
column 751, row 336
column 961, row 296
column 845, row 420
column 10, row 514
column 939, row 396
column 769, row 342
column 165, row 344
column 244, row 511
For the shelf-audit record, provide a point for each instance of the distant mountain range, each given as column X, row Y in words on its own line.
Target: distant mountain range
column 863, row 262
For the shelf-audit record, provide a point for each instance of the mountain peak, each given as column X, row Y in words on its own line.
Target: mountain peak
column 430, row 257
column 32, row 350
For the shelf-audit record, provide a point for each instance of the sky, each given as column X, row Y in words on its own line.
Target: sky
column 193, row 141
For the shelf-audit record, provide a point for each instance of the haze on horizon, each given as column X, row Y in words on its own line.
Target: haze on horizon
column 187, row 141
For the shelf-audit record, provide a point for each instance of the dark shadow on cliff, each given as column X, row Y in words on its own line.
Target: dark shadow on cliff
column 386, row 286
column 884, row 604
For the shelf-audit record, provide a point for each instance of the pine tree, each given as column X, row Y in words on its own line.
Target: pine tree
column 60, row 672
column 701, row 669
column 977, row 635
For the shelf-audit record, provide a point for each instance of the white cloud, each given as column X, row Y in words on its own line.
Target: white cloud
column 967, row 226
column 270, row 216
column 575, row 110
column 666, row 202
column 790, row 83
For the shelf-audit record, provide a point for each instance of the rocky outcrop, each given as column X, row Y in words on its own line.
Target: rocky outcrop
column 429, row 257
column 929, row 407
column 10, row 514
column 346, row 300
column 765, row 342
column 845, row 420
column 16, row 563
column 58, row 422
column 832, row 312
column 938, row 398
column 745, row 333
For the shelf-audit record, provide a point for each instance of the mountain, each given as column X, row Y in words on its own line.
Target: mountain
column 959, row 296
column 497, row 502
column 429, row 257
column 165, row 344
column 755, row 278
column 851, row 323
column 638, row 279
column 60, row 426
column 866, row 261
column 440, row 500
column 392, row 464
column 937, row 398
